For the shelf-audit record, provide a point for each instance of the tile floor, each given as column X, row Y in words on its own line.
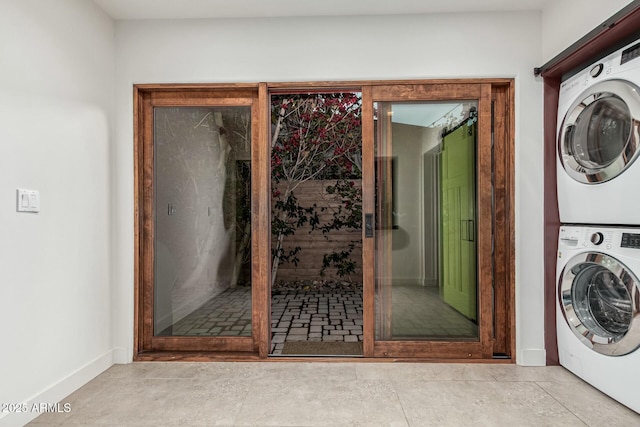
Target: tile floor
column 338, row 394
column 419, row 311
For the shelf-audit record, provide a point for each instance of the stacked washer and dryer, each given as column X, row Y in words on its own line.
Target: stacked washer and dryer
column 598, row 261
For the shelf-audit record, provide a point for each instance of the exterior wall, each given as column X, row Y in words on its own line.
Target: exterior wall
column 307, row 49
column 56, row 111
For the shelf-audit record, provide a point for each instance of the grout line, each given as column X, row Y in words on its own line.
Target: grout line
column 560, row 403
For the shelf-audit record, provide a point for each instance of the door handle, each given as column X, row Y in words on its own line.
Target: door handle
column 368, row 225
column 467, row 230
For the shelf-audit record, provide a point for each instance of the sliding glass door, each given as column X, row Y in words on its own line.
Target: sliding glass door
column 432, row 210
column 199, row 284
column 366, row 219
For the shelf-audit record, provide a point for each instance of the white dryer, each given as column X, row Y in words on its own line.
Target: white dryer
column 599, row 142
column 597, row 314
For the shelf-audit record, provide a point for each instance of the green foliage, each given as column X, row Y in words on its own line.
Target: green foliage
column 349, row 212
column 341, row 261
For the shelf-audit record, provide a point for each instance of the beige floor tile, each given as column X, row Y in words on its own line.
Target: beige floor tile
column 160, row 402
column 322, row 402
column 338, row 394
column 424, row 371
column 531, row 373
column 50, row 419
column 590, row 405
column 303, row 371
column 153, row 370
column 481, row 403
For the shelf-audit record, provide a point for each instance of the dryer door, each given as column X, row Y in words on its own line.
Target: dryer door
column 600, row 298
column 599, row 135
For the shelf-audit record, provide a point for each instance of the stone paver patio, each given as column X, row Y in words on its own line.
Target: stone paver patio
column 328, row 315
column 324, row 314
column 320, row 315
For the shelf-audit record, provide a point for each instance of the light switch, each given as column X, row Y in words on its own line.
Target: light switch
column 28, row 200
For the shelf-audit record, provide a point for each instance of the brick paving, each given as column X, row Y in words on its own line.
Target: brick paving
column 296, row 315
column 320, row 315
column 325, row 314
column 226, row 314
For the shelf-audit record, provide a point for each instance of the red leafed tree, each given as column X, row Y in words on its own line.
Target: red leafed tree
column 314, row 136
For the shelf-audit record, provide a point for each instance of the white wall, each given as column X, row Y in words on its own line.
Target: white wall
column 407, row 255
column 56, row 109
column 297, row 49
column 567, row 21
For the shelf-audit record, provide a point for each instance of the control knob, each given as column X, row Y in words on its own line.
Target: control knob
column 596, row 70
column 597, row 238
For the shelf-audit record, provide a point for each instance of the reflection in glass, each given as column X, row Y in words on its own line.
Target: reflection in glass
column 426, row 286
column 202, row 221
column 602, row 133
column 602, row 302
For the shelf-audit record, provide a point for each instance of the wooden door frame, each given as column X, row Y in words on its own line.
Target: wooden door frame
column 502, row 342
column 146, row 97
column 484, row 347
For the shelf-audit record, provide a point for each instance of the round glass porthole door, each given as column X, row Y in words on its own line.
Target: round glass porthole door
column 599, row 297
column 599, row 136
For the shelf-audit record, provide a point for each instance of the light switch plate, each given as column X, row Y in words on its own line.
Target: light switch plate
column 27, row 200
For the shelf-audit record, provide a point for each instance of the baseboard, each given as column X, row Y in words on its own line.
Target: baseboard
column 58, row 391
column 532, row 357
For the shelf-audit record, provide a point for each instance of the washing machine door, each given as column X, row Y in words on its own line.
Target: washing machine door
column 600, row 298
column 600, row 133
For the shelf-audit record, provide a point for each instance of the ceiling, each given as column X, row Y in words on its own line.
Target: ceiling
column 426, row 114
column 178, row 9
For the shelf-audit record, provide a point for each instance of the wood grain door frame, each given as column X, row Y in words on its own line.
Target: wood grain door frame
column 494, row 220
column 146, row 98
column 498, row 102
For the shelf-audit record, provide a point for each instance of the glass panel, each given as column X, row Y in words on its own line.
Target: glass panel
column 601, row 301
column 202, row 221
column 602, row 132
column 316, row 224
column 426, row 286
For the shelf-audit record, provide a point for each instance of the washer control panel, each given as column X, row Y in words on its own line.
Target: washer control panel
column 576, row 237
column 586, row 237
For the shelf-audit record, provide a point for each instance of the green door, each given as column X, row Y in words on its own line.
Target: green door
column 458, row 220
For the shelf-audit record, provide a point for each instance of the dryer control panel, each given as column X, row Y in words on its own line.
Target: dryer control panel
column 630, row 54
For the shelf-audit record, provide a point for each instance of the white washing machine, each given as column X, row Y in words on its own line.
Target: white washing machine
column 597, row 314
column 598, row 142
